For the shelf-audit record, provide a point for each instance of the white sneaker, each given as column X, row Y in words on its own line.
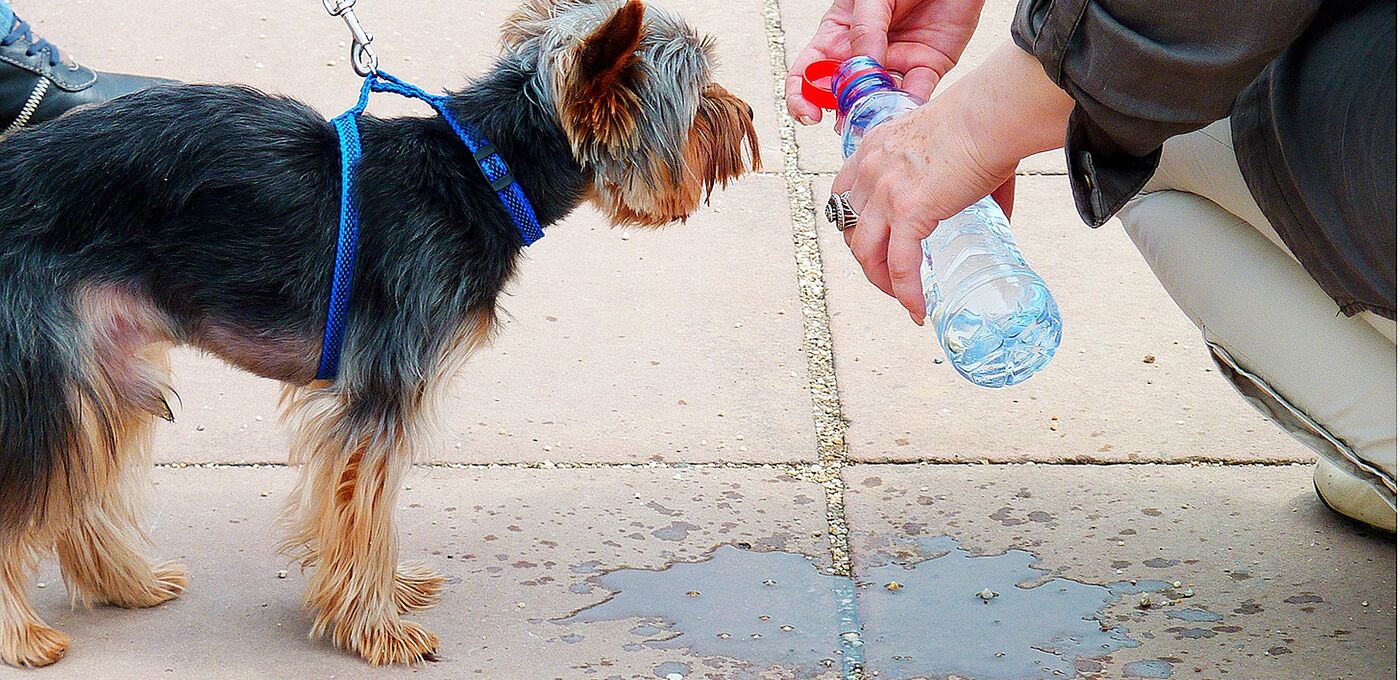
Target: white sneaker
column 1352, row 497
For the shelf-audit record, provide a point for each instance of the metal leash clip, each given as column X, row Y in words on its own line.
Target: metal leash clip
column 362, row 56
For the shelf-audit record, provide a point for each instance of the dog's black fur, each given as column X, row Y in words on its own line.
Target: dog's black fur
column 222, row 203
column 208, row 216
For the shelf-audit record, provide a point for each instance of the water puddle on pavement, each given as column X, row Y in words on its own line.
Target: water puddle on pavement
column 1195, row 615
column 990, row 617
column 766, row 608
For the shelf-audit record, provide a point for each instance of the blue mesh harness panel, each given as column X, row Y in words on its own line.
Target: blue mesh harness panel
column 493, row 168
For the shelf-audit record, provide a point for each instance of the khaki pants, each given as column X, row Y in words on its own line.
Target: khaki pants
column 1329, row 380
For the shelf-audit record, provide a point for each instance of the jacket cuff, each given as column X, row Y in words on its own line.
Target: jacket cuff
column 1102, row 177
column 1043, row 28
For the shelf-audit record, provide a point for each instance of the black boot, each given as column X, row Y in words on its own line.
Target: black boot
column 37, row 83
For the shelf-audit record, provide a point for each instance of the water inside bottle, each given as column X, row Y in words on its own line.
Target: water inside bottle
column 1002, row 332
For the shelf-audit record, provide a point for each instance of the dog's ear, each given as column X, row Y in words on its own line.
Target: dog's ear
column 608, row 50
column 599, row 105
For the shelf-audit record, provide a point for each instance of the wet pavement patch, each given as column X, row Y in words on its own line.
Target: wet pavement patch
column 947, row 612
column 1183, row 633
column 1194, row 614
column 764, row 608
column 1121, row 588
column 991, row 617
column 676, row 532
column 671, row 669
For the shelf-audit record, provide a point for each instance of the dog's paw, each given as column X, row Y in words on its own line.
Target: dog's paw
column 397, row 642
column 416, row 587
column 33, row 645
column 167, row 582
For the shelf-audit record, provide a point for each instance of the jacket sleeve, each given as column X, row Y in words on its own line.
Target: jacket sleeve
column 1141, row 71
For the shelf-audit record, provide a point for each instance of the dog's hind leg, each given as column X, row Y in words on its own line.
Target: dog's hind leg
column 353, row 457
column 100, row 551
column 40, row 474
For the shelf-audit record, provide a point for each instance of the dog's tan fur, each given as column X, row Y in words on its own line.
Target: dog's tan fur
column 92, row 509
column 340, row 515
column 351, row 458
column 710, row 161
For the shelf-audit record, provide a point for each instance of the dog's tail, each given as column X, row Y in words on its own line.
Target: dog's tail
column 40, row 414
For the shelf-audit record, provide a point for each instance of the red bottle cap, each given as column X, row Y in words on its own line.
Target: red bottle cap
column 816, row 83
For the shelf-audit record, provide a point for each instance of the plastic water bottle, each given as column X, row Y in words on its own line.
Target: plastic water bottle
column 994, row 316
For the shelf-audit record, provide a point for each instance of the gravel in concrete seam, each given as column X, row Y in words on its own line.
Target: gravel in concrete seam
column 816, row 341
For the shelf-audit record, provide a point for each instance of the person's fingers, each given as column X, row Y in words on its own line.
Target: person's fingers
column 846, row 177
column 920, row 81
column 846, row 181
column 842, row 184
column 910, row 56
column 870, row 245
column 904, row 258
column 804, row 111
column 1005, row 195
column 870, row 27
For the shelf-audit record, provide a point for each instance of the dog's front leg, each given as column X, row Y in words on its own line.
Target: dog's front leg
column 25, row 640
column 353, row 459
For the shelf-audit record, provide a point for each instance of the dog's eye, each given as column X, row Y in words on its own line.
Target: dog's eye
column 750, row 108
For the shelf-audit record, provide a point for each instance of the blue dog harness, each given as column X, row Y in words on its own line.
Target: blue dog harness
column 493, row 168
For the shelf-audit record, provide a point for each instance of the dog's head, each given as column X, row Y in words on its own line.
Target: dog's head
column 633, row 89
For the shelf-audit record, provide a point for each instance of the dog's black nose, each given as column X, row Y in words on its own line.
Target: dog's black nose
column 750, row 108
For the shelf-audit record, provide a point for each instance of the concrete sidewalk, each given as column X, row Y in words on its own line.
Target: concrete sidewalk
column 716, row 452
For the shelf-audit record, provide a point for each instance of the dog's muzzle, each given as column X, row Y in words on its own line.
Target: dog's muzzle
column 839, row 211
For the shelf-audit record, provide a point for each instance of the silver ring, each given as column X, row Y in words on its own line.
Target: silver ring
column 839, row 211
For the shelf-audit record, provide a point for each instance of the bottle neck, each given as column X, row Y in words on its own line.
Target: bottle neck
column 858, row 78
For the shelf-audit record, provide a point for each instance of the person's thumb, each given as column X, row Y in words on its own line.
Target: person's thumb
column 870, row 27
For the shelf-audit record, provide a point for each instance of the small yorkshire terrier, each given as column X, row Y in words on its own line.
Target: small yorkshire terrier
column 207, row 215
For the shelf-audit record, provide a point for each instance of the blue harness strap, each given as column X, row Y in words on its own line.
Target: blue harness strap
column 493, row 168
column 345, row 246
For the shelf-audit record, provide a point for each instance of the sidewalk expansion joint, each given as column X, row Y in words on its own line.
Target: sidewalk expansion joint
column 808, row 174
column 803, row 471
column 789, row 468
column 1071, row 461
column 816, row 343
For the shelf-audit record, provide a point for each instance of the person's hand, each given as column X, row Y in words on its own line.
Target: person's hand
column 922, row 39
column 906, row 176
column 930, row 163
